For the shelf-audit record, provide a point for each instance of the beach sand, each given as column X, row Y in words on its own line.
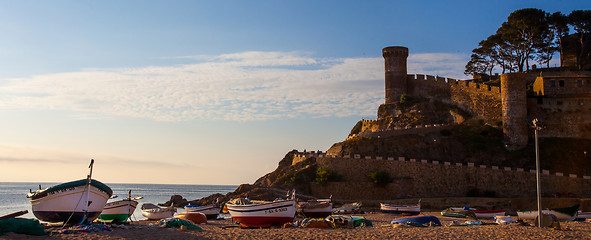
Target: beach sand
column 381, row 230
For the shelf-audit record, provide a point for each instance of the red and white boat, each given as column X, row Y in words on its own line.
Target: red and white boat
column 318, row 208
column 489, row 213
column 263, row 214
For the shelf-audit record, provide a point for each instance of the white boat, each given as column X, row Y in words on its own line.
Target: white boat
column 318, row 208
column 489, row 213
column 583, row 215
column 119, row 211
column 401, row 209
column 348, row 208
column 563, row 214
column 72, row 202
column 153, row 212
column 210, row 211
column 262, row 214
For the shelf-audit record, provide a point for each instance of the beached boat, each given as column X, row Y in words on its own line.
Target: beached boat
column 489, row 213
column 119, row 211
column 153, row 212
column 318, row 208
column 421, row 220
column 563, row 214
column 262, row 214
column 72, row 202
column 451, row 212
column 583, row 215
column 348, row 208
column 210, row 211
column 401, row 209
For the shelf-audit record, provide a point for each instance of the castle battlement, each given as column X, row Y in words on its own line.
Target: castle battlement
column 467, row 85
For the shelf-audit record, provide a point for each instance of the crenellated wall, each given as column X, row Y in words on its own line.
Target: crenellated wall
column 481, row 100
column 412, row 178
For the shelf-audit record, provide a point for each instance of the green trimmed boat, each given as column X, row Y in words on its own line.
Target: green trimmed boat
column 119, row 211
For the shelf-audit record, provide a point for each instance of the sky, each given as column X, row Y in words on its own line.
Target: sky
column 210, row 92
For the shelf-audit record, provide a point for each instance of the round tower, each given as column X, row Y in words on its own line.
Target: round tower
column 395, row 63
column 514, row 107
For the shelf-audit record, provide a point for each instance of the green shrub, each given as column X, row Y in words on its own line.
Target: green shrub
column 403, row 98
column 380, row 178
column 323, row 175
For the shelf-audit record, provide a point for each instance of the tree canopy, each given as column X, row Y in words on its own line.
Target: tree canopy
column 530, row 34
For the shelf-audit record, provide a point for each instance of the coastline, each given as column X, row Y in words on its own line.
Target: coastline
column 381, row 230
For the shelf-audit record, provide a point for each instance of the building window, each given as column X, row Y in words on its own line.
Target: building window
column 579, row 83
column 540, row 100
column 561, row 83
column 581, row 102
column 552, row 83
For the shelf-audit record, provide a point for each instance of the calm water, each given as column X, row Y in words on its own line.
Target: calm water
column 13, row 195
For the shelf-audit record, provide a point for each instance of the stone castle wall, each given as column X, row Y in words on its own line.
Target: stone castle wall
column 413, row 178
column 566, row 118
column 479, row 99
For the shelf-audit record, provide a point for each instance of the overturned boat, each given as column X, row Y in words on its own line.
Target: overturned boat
column 72, row 202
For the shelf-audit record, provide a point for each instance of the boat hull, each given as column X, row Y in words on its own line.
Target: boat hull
column 530, row 215
column 158, row 213
column 400, row 209
column 488, row 213
column 316, row 208
column 118, row 211
column 67, row 202
column 263, row 214
column 210, row 211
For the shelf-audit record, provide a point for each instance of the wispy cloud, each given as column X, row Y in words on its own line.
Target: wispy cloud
column 245, row 86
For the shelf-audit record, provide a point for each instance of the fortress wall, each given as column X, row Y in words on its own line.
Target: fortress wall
column 568, row 118
column 401, row 131
column 413, row 178
column 482, row 100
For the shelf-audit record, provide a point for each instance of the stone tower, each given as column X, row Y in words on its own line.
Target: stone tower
column 395, row 63
column 514, row 108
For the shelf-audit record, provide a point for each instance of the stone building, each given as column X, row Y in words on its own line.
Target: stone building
column 561, row 99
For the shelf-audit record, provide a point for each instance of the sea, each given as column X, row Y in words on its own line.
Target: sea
column 13, row 194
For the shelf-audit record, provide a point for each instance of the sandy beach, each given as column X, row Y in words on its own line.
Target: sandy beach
column 215, row 229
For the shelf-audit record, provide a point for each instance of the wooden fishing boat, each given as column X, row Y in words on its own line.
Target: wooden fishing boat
column 262, row 214
column 119, row 211
column 210, row 211
column 489, row 213
column 317, row 208
column 72, row 202
column 153, row 212
column 563, row 214
column 401, row 209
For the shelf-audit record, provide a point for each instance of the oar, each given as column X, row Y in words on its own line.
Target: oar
column 16, row 214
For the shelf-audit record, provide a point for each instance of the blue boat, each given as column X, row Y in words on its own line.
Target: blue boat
column 421, row 220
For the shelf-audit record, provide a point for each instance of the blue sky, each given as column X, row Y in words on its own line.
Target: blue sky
column 210, row 92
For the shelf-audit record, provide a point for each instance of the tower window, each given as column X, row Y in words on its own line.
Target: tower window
column 579, row 83
column 561, row 83
column 552, row 83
